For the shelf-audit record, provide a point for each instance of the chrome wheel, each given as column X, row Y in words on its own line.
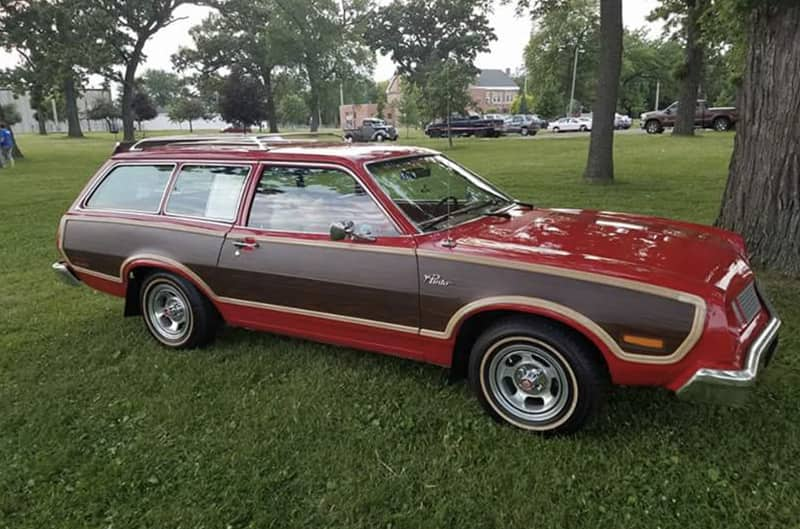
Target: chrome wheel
column 529, row 382
column 168, row 312
column 721, row 125
column 653, row 127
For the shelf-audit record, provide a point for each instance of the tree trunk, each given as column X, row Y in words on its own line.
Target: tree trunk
column 315, row 107
column 692, row 70
column 41, row 120
column 600, row 164
column 272, row 114
column 128, row 87
column 762, row 198
column 71, row 100
column 190, row 127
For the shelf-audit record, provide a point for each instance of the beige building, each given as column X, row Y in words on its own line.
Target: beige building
column 493, row 90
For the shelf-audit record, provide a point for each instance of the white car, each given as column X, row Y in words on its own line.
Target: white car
column 571, row 125
column 622, row 121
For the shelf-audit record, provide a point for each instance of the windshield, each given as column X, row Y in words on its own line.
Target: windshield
column 434, row 192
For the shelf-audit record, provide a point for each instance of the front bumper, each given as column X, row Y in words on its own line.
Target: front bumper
column 65, row 274
column 732, row 387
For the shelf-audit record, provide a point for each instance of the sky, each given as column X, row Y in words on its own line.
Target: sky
column 506, row 52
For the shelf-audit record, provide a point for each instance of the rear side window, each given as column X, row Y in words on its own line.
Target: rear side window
column 208, row 191
column 132, row 188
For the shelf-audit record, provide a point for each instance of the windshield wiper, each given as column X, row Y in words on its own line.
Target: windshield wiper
column 436, row 220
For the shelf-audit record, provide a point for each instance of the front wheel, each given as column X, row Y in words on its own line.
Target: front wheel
column 556, row 130
column 537, row 376
column 652, row 126
column 176, row 313
column 524, row 131
column 582, row 129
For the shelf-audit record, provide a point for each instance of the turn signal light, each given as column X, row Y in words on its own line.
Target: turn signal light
column 643, row 341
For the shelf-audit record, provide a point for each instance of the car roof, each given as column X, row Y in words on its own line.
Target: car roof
column 299, row 150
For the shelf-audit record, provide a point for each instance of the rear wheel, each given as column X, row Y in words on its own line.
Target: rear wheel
column 722, row 124
column 556, row 130
column 537, row 376
column 176, row 313
column 524, row 131
column 582, row 129
column 380, row 138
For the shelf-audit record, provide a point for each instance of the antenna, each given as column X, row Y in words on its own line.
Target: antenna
column 448, row 241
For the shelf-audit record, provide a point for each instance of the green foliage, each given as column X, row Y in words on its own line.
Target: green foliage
column 325, row 42
column 242, row 100
column 419, row 34
column 408, row 106
column 9, row 114
column 187, row 108
column 143, row 107
column 293, row 109
column 163, row 87
column 523, row 104
column 104, row 109
column 560, row 30
column 445, row 89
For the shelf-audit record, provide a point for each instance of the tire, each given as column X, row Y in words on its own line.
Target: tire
column 722, row 124
column 175, row 313
column 582, row 129
column 556, row 130
column 348, row 138
column 524, row 131
column 653, row 126
column 380, row 138
column 562, row 380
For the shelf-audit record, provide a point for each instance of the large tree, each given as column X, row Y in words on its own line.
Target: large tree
column 687, row 15
column 242, row 34
column 419, row 34
column 242, row 100
column 762, row 197
column 58, row 43
column 162, row 87
column 325, row 40
column 129, row 25
column 563, row 49
column 600, row 163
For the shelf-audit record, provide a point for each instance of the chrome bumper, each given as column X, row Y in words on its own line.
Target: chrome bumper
column 65, row 274
column 731, row 387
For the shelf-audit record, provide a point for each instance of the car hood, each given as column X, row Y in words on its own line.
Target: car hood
column 629, row 246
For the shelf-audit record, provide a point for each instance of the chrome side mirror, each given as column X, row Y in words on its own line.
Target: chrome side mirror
column 346, row 229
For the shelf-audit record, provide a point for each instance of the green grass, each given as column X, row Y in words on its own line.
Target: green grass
column 99, row 427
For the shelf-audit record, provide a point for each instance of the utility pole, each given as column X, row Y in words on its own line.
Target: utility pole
column 574, row 75
column 447, row 90
column 55, row 115
column 658, row 93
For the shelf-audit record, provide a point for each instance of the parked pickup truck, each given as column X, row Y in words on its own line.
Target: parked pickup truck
column 371, row 130
column 717, row 118
column 466, row 126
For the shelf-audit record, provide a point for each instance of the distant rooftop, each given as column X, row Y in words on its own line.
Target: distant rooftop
column 494, row 79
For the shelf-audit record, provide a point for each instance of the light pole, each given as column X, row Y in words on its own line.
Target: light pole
column 574, row 76
column 447, row 93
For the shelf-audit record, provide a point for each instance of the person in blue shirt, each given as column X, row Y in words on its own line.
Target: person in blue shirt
column 6, row 146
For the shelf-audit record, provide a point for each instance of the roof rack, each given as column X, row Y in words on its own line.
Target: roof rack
column 244, row 141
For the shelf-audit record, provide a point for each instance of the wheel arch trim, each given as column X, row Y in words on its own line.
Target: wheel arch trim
column 566, row 316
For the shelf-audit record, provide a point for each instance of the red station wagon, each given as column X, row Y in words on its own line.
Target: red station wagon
column 400, row 250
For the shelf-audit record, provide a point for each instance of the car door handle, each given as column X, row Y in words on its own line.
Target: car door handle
column 246, row 244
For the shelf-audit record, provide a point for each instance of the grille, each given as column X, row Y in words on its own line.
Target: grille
column 748, row 302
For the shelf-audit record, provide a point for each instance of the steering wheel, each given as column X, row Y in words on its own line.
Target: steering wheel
column 443, row 201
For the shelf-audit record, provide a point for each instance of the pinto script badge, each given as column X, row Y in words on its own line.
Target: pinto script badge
column 436, row 280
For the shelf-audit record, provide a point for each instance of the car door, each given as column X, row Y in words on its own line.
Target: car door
column 280, row 263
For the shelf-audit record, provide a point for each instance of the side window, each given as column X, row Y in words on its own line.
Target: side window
column 309, row 200
column 132, row 188
column 209, row 191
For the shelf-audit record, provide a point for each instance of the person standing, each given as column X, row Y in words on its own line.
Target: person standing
column 6, row 146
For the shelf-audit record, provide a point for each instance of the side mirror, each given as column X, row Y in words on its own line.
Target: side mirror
column 668, row 111
column 346, row 229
